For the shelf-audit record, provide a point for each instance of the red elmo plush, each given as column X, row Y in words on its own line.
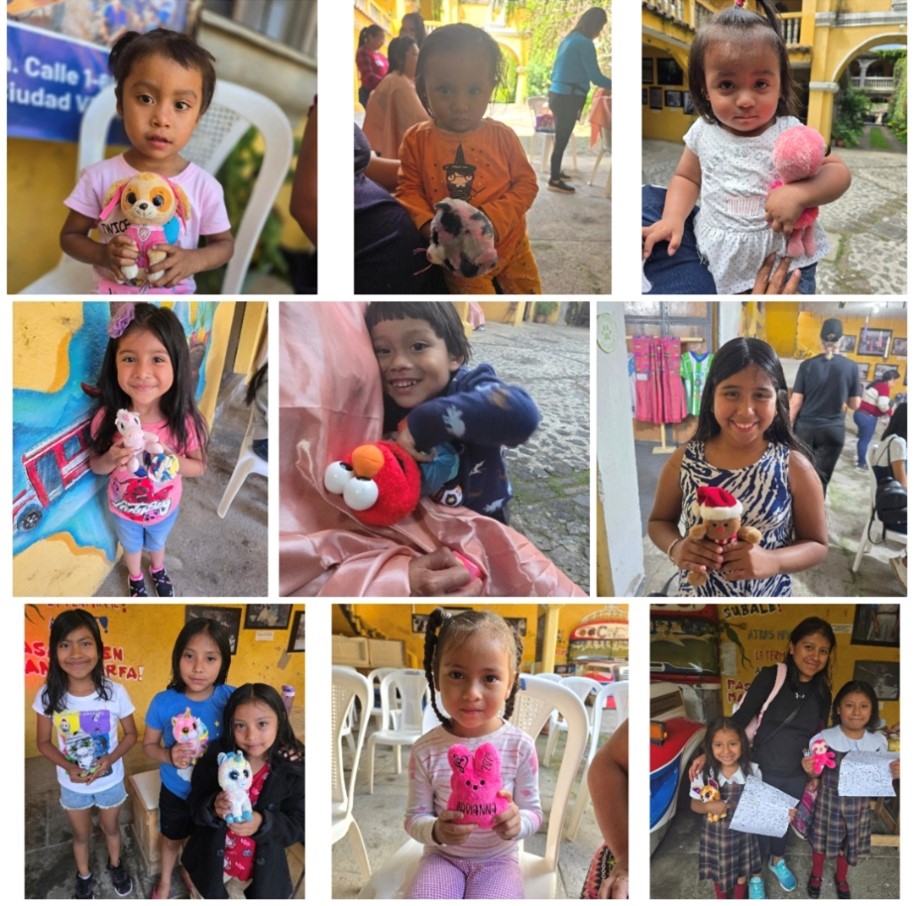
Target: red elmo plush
column 379, row 482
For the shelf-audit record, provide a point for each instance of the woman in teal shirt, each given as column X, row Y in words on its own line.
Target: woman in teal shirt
column 574, row 69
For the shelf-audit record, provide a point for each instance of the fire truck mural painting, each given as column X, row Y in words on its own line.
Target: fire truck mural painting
column 54, row 493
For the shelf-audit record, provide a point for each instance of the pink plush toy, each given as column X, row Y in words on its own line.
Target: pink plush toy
column 822, row 756
column 135, row 438
column 798, row 154
column 476, row 784
column 462, row 239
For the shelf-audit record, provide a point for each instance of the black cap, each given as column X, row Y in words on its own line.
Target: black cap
column 832, row 331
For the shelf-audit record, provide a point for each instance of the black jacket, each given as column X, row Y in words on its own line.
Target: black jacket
column 282, row 805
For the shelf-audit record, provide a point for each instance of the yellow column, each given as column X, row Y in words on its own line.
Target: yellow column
column 550, row 637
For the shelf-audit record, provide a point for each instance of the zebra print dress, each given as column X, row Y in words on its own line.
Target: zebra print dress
column 763, row 490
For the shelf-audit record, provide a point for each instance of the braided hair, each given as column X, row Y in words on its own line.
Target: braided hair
column 444, row 628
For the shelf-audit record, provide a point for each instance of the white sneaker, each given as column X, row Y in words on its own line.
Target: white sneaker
column 901, row 570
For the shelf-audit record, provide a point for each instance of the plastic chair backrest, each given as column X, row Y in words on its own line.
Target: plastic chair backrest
column 582, row 686
column 618, row 692
column 233, row 111
column 347, row 687
column 537, row 104
column 412, row 687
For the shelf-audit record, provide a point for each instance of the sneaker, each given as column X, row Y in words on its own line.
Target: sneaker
column 901, row 570
column 559, row 185
column 137, row 588
column 844, row 892
column 784, row 875
column 120, row 879
column 757, row 888
column 861, row 468
column 814, row 887
column 164, row 588
column 85, row 887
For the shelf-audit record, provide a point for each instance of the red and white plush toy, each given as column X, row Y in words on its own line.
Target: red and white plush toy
column 476, row 784
column 462, row 239
column 799, row 153
column 720, row 512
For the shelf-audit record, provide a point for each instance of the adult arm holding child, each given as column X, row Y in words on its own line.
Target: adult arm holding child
column 607, row 779
column 681, row 196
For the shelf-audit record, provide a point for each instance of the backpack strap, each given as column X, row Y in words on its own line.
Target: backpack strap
column 779, row 679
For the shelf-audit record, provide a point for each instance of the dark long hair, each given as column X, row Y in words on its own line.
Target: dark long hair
column 419, row 24
column 55, row 692
column 445, row 629
column 868, row 691
column 821, row 682
column 732, row 357
column 591, row 22
column 200, row 626
column 736, row 23
column 177, row 405
column 369, row 31
column 286, row 741
column 712, row 765
column 898, row 423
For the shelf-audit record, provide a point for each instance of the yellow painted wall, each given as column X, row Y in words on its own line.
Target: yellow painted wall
column 139, row 638
column 764, row 630
column 781, row 327
column 666, row 124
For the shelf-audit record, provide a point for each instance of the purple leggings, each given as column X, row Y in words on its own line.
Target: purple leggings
column 441, row 877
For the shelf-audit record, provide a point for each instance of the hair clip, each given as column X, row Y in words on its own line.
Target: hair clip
column 121, row 320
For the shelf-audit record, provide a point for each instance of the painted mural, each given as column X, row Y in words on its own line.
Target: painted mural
column 54, row 492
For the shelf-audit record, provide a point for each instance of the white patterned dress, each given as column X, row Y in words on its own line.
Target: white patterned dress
column 730, row 228
column 763, row 490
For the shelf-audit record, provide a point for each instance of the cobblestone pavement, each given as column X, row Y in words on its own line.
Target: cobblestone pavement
column 867, row 226
column 550, row 473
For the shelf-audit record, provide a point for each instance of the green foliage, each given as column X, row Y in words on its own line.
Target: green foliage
column 896, row 117
column 505, row 93
column 878, row 141
column 545, row 310
column 851, row 107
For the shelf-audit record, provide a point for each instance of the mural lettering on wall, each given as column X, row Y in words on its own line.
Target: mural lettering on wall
column 729, row 611
column 37, row 662
column 735, row 689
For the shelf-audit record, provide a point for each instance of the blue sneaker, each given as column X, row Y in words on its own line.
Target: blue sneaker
column 757, row 888
column 784, row 875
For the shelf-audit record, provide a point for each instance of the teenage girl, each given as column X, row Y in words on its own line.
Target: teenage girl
column 369, row 60
column 740, row 80
column 743, row 443
column 250, row 855
column 181, row 722
column 472, row 660
column 726, row 857
column 461, row 153
column 164, row 83
column 84, row 707
column 147, row 370
column 841, row 825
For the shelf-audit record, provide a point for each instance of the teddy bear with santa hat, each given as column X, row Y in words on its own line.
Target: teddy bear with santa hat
column 721, row 523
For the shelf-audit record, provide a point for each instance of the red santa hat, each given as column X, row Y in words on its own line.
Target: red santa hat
column 717, row 504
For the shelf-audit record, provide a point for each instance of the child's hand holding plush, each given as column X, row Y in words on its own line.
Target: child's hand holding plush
column 476, row 787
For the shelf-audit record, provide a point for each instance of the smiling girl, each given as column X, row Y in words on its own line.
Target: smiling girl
column 743, row 444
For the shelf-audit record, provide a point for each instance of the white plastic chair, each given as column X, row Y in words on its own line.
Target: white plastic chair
column 535, row 701
column 412, row 688
column 581, row 686
column 348, row 687
column 618, row 692
column 249, row 463
column 233, row 111
column 374, row 678
column 873, row 526
column 537, row 106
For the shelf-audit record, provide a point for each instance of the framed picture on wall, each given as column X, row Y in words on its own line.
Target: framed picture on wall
column 656, row 99
column 874, row 342
column 688, row 107
column 267, row 616
column 647, row 70
column 644, row 97
column 881, row 370
column 864, row 370
column 876, row 624
column 673, row 98
column 669, row 72
column 900, row 346
column 297, row 635
column 883, row 676
column 420, row 620
column 847, row 343
column 228, row 617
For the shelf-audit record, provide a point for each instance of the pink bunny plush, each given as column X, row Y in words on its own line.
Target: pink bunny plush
column 798, row 153
column 462, row 239
column 476, row 784
column 135, row 438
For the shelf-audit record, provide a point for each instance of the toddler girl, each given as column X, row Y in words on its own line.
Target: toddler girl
column 743, row 444
column 370, row 62
column 461, row 153
column 472, row 660
column 432, row 397
column 841, row 825
column 726, row 857
column 84, row 707
column 164, row 83
column 147, row 370
column 249, row 855
column 181, row 722
column 739, row 78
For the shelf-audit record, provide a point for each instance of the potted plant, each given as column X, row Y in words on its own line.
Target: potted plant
column 545, row 311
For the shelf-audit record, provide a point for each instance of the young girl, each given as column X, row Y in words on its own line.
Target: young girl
column 740, row 80
column 472, row 660
column 726, row 857
column 841, row 824
column 432, row 397
column 743, row 444
column 461, row 153
column 250, row 855
column 164, row 83
column 369, row 60
column 181, row 722
column 147, row 370
column 85, row 707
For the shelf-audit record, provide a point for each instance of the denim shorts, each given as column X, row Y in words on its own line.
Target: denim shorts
column 109, row 798
column 136, row 537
